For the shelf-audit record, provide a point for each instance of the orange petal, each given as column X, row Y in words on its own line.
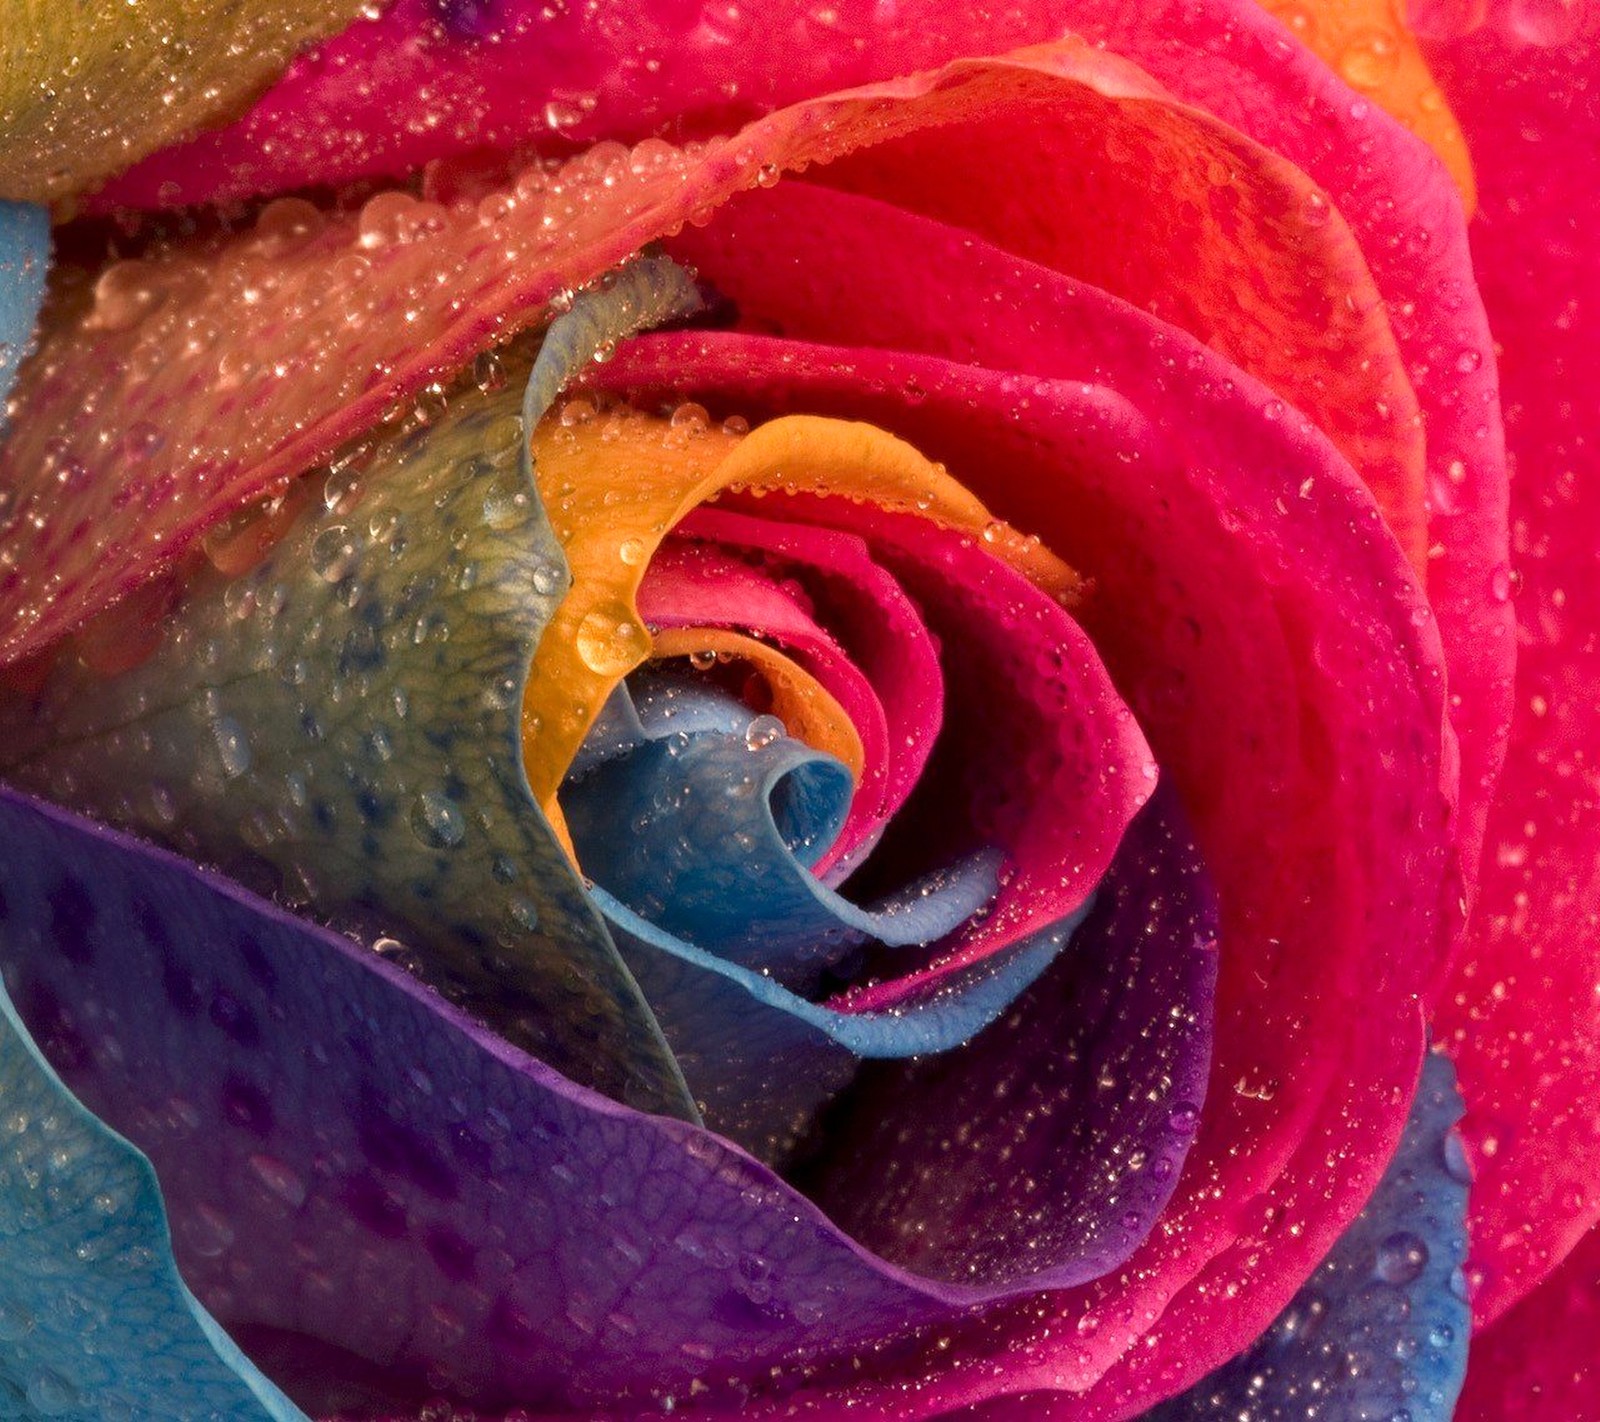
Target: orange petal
column 1367, row 43
column 613, row 489
column 808, row 710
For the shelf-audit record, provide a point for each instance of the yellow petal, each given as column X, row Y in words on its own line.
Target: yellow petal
column 89, row 86
column 615, row 486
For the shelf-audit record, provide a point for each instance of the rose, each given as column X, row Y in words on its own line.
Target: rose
column 1247, row 1080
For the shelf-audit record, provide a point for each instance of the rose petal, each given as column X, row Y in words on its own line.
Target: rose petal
column 87, row 90
column 511, row 71
column 341, row 724
column 24, row 256
column 815, row 264
column 1537, row 1360
column 1282, row 664
column 1228, row 57
column 1380, row 1330
column 885, row 637
column 1520, row 1013
column 440, row 1196
column 95, row 1320
column 720, row 833
column 343, row 320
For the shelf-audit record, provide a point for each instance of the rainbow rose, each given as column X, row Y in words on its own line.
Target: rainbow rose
column 797, row 713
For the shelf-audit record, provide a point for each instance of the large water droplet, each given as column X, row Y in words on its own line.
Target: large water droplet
column 334, row 553
column 612, row 641
column 1401, row 1258
column 437, row 820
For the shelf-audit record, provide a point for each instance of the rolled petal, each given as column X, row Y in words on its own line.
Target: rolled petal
column 1253, row 633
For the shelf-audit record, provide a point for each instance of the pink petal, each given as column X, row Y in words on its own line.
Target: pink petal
column 1539, row 1360
column 1521, row 1014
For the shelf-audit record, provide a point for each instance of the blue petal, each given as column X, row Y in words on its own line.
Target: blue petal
column 721, row 831
column 1380, row 1330
column 24, row 257
column 94, row 1320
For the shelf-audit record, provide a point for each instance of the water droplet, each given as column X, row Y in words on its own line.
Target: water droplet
column 1401, row 1258
column 523, row 913
column 335, row 553
column 763, row 731
column 1184, row 1117
column 437, row 820
column 233, row 746
column 633, row 551
column 1455, row 1159
column 281, row 1180
column 125, row 293
column 612, row 641
column 546, row 579
column 287, row 224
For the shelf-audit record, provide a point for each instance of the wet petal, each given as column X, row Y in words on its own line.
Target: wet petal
column 341, row 725
column 93, row 1316
column 1252, row 634
column 461, row 1217
column 512, row 71
column 1381, row 1328
column 24, row 256
column 87, row 90
column 1537, row 1360
column 1520, row 1013
column 347, row 315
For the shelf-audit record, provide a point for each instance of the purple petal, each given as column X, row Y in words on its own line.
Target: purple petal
column 359, row 1173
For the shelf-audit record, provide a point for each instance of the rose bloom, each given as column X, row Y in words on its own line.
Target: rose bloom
column 913, row 870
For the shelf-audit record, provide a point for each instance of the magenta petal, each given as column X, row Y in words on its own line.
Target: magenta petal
column 1520, row 1014
column 376, row 1190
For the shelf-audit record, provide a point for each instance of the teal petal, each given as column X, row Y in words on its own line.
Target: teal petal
column 342, row 725
column 95, row 1324
column 24, row 258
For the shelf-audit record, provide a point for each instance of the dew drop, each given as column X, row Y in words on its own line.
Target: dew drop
column 334, row 553
column 763, row 731
column 611, row 641
column 1401, row 1258
column 233, row 746
column 1184, row 1117
column 437, row 821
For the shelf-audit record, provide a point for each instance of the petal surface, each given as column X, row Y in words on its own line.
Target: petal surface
column 87, row 89
column 1381, row 1328
column 626, row 70
column 439, row 1194
column 94, row 1319
column 1520, row 1013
